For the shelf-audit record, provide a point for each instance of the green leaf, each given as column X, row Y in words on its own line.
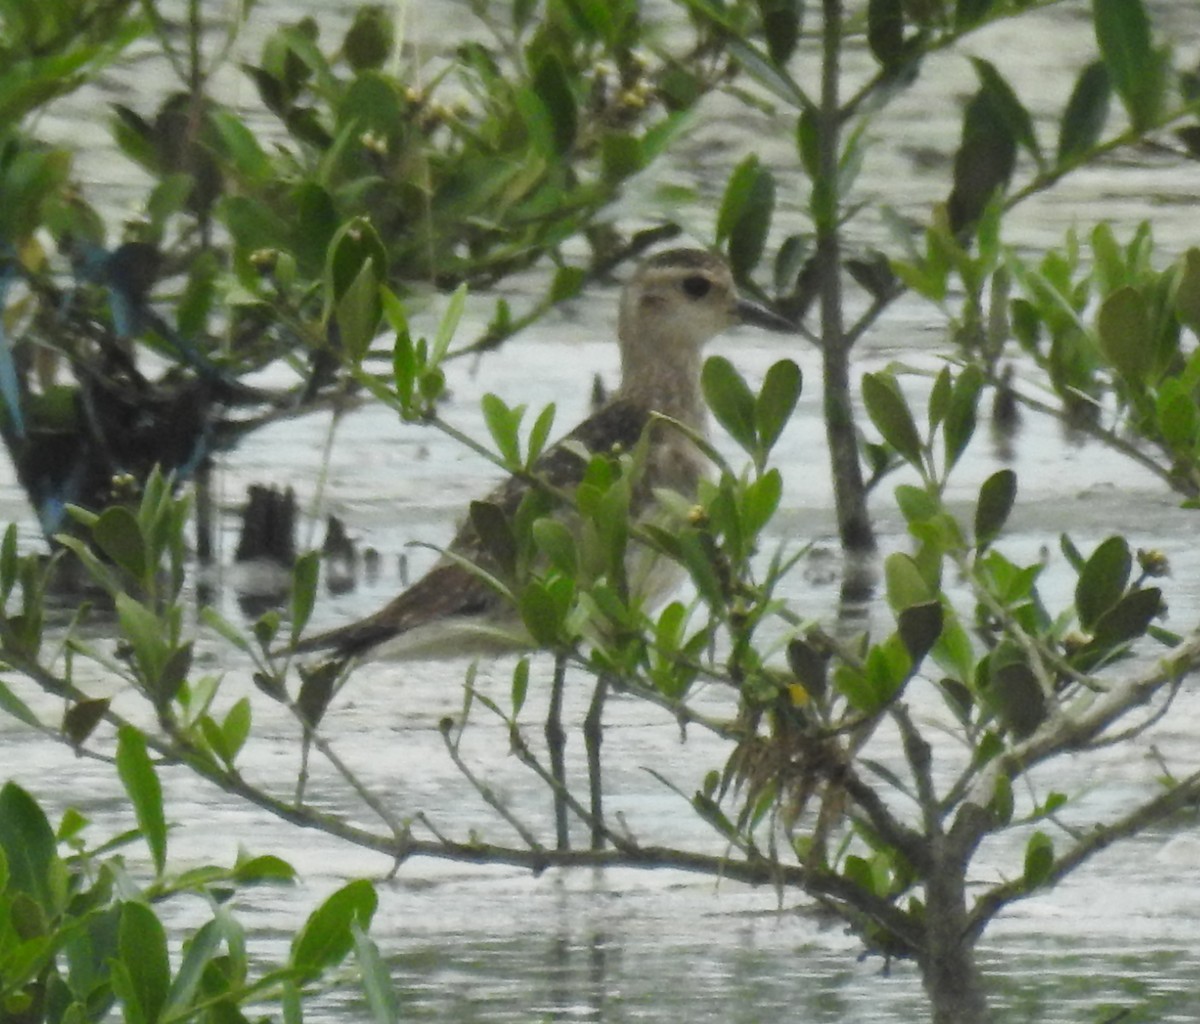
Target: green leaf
column 748, row 239
column 1001, row 804
column 760, row 501
column 1126, row 334
column 961, row 415
column 557, row 543
column 889, row 412
column 1008, row 107
column 745, row 215
column 1102, row 580
column 289, row 1002
column 781, row 27
column 539, row 433
column 81, row 719
column 1086, row 112
column 199, row 296
column 1136, row 70
column 226, row 629
column 810, row 665
column 354, row 246
column 808, row 142
column 906, row 584
column 142, row 946
column 1187, row 292
column 553, row 87
column 28, row 844
column 996, row 498
column 1039, row 860
column 264, row 868
column 404, row 370
column 240, row 146
column 696, row 553
column 118, row 535
column 502, row 423
column 621, row 156
column 737, row 195
column 140, row 780
column 14, row 707
column 939, row 397
column 1178, row 420
column 325, row 939
column 885, row 31
column 305, row 574
column 144, row 631
column 236, row 728
column 920, row 627
column 448, row 325
column 916, row 504
column 376, row 981
column 764, row 71
column 198, row 953
column 540, row 614
column 968, row 13
column 984, row 163
column 520, row 685
column 317, row 687
column 567, row 283
column 730, row 400
column 776, row 401
column 358, row 312
column 1129, row 618
column 1017, row 696
column 710, row 811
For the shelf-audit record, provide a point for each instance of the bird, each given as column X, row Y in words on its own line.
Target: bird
column 674, row 303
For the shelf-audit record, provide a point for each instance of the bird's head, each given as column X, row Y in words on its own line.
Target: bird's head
column 680, row 299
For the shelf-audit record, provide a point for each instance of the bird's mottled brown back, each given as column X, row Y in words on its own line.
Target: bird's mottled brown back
column 449, row 589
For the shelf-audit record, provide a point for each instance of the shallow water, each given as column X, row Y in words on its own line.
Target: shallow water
column 496, row 944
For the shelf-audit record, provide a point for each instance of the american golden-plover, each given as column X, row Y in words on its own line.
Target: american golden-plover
column 674, row 303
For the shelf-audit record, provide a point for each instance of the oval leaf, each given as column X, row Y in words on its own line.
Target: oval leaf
column 996, row 498
column 326, row 937
column 304, row 590
column 920, row 626
column 1123, row 33
column 557, row 543
column 140, row 780
column 1039, row 860
column 885, row 31
column 1086, row 112
column 118, row 535
column 1129, row 618
column 1018, row 698
column 776, row 401
column 81, row 718
column 540, row 613
column 1102, row 580
column 730, row 400
column 142, row 947
column 890, row 414
column 1126, row 334
column 906, row 586
column 27, row 841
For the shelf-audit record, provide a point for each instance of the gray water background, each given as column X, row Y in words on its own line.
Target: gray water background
column 494, row 944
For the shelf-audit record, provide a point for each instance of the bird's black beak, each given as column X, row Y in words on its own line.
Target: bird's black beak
column 752, row 313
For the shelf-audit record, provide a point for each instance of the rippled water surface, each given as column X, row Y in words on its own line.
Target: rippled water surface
column 495, row 944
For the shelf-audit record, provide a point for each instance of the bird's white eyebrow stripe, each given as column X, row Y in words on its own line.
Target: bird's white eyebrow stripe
column 682, row 259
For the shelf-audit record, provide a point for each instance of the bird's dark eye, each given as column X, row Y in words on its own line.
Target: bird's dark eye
column 697, row 286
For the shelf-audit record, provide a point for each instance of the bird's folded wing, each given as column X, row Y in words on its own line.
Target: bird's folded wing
column 450, row 589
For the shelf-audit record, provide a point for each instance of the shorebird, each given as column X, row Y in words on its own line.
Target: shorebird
column 674, row 303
